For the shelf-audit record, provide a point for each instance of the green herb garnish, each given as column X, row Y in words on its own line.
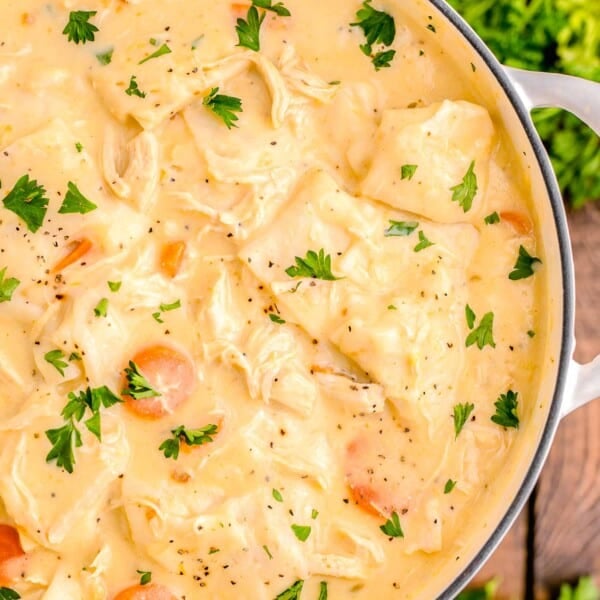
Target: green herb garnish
column 302, row 532
column 408, row 171
column 7, row 286
column 400, row 228
column 223, row 106
column 133, row 89
column 189, row 437
column 75, row 202
column 278, row 8
column 464, row 192
column 317, row 266
column 293, row 592
column 423, row 243
column 392, row 527
column 450, row 485
column 79, row 29
column 460, row 415
column 164, row 49
column 138, row 386
column 483, row 334
column 249, row 30
column 145, row 577
column 492, row 219
column 28, row 200
column 55, row 358
column 506, row 410
column 524, row 266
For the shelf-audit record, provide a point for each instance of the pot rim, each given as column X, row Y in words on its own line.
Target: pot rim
column 568, row 310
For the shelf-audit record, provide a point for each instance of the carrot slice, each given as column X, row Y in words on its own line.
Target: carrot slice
column 518, row 221
column 171, row 258
column 146, row 592
column 170, row 373
column 79, row 249
column 10, row 545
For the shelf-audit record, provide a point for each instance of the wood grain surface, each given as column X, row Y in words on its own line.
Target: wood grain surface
column 557, row 538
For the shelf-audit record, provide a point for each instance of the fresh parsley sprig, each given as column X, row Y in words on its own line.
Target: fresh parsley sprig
column 7, row 286
column 164, row 49
column 524, row 266
column 145, row 577
column 223, row 106
column 400, row 228
column 464, row 193
column 460, row 415
column 134, row 88
column 138, row 387
column 55, row 358
column 79, row 29
column 392, row 527
column 279, row 9
column 423, row 242
column 506, row 410
column 28, row 201
column 379, row 28
column 248, row 30
column 483, row 334
column 8, row 594
column 317, row 266
column 75, row 202
column 189, row 437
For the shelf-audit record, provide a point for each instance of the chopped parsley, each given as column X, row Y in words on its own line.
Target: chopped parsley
column 164, row 49
column 157, row 317
column 28, row 200
column 293, row 592
column 314, row 513
column 524, row 266
column 101, row 309
column 492, row 219
column 249, row 30
column 464, row 192
column 277, row 495
column 408, row 171
column 322, row 590
column 173, row 306
column 79, row 147
column 483, row 334
column 74, row 356
column 276, row 319
column 55, row 358
column 266, row 549
column 189, row 437
column 7, row 286
column 450, row 485
column 423, row 243
column 66, row 438
column 223, row 106
column 145, row 577
column 392, row 527
column 400, row 228
column 75, row 202
column 138, row 386
column 114, row 286
column 531, row 333
column 79, row 29
column 105, row 58
column 460, row 415
column 278, row 8
column 379, row 28
column 134, row 89
column 8, row 594
column 317, row 266
column 506, row 410
column 302, row 532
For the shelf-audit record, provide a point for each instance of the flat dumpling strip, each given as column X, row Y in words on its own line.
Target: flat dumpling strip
column 398, row 313
column 441, row 140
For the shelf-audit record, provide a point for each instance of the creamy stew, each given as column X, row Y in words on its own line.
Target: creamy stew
column 268, row 300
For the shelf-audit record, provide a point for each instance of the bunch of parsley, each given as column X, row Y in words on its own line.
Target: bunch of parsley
column 550, row 35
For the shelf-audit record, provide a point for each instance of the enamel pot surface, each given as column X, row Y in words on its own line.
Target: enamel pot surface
column 563, row 384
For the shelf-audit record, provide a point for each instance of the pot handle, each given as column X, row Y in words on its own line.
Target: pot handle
column 584, row 385
column 577, row 95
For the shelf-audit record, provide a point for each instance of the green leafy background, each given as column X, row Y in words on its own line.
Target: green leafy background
column 550, row 35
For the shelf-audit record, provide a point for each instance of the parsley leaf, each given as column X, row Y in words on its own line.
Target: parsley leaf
column 449, row 486
column 378, row 26
column 276, row 319
column 223, row 106
column 492, row 219
column 506, row 410
column 317, row 266
column 8, row 594
column 470, row 315
column 400, row 228
column 267, row 551
column 7, row 286
column 28, row 200
column 423, row 243
column 78, row 29
column 277, row 495
column 164, row 49
column 293, row 592
column 173, row 306
column 464, row 192
column 79, row 147
column 302, row 532
column 74, row 356
column 461, row 413
column 278, row 8
column 138, row 386
column 101, row 309
column 157, row 317
column 322, row 590
column 94, row 425
column 146, row 577
column 114, row 286
column 408, row 171
column 383, row 59
column 524, row 266
column 63, row 441
column 190, row 437
column 105, row 58
column 134, row 89
column 249, row 30
column 75, row 202
column 54, row 357
column 392, row 527
column 483, row 334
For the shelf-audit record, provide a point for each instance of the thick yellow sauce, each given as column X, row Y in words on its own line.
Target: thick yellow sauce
column 337, row 394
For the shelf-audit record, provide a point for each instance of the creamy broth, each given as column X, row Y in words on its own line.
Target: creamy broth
column 281, row 343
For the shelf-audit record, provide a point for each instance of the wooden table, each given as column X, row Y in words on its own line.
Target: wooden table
column 557, row 537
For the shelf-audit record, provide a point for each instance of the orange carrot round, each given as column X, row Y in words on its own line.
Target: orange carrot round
column 171, row 258
column 10, row 545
